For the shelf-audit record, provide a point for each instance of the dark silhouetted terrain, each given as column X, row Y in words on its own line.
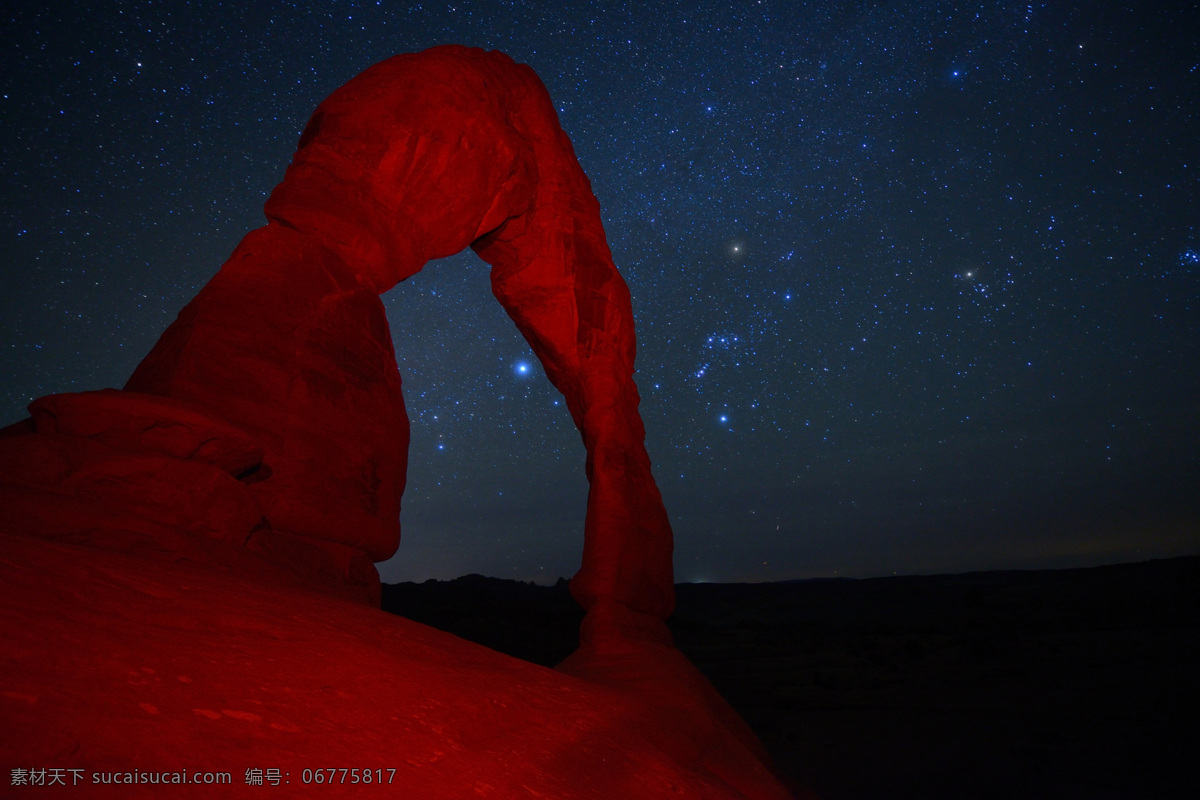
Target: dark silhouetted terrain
column 1054, row 684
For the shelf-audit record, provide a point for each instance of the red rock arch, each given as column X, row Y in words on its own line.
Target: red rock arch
column 417, row 158
column 269, row 420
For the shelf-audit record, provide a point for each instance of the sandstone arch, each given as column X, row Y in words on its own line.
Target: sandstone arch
column 417, row 158
column 265, row 435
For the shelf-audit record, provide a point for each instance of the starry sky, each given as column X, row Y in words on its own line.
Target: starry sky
column 917, row 288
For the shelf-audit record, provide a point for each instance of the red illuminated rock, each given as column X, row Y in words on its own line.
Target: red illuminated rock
column 417, row 158
column 149, row 423
column 266, row 434
column 118, row 664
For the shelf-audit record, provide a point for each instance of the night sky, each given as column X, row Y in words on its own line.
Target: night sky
column 917, row 288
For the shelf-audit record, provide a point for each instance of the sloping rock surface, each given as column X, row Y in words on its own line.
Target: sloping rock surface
column 119, row 664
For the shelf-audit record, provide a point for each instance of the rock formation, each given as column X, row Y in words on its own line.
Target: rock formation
column 266, row 432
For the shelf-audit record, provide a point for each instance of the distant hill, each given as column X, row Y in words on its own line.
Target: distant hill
column 531, row 622
column 1055, row 684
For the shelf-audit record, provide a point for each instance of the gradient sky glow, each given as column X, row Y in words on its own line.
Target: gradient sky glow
column 918, row 289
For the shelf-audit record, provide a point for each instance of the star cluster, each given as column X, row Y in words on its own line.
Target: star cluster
column 916, row 287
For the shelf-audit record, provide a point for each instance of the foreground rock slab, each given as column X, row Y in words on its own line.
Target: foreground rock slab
column 120, row 664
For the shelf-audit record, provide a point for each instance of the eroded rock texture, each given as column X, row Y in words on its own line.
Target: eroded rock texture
column 266, row 432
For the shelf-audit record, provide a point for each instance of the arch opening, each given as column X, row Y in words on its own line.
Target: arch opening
column 496, row 481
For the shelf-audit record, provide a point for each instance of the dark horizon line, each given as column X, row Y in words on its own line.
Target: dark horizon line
column 561, row 581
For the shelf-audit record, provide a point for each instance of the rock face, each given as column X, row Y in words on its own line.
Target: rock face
column 266, row 432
